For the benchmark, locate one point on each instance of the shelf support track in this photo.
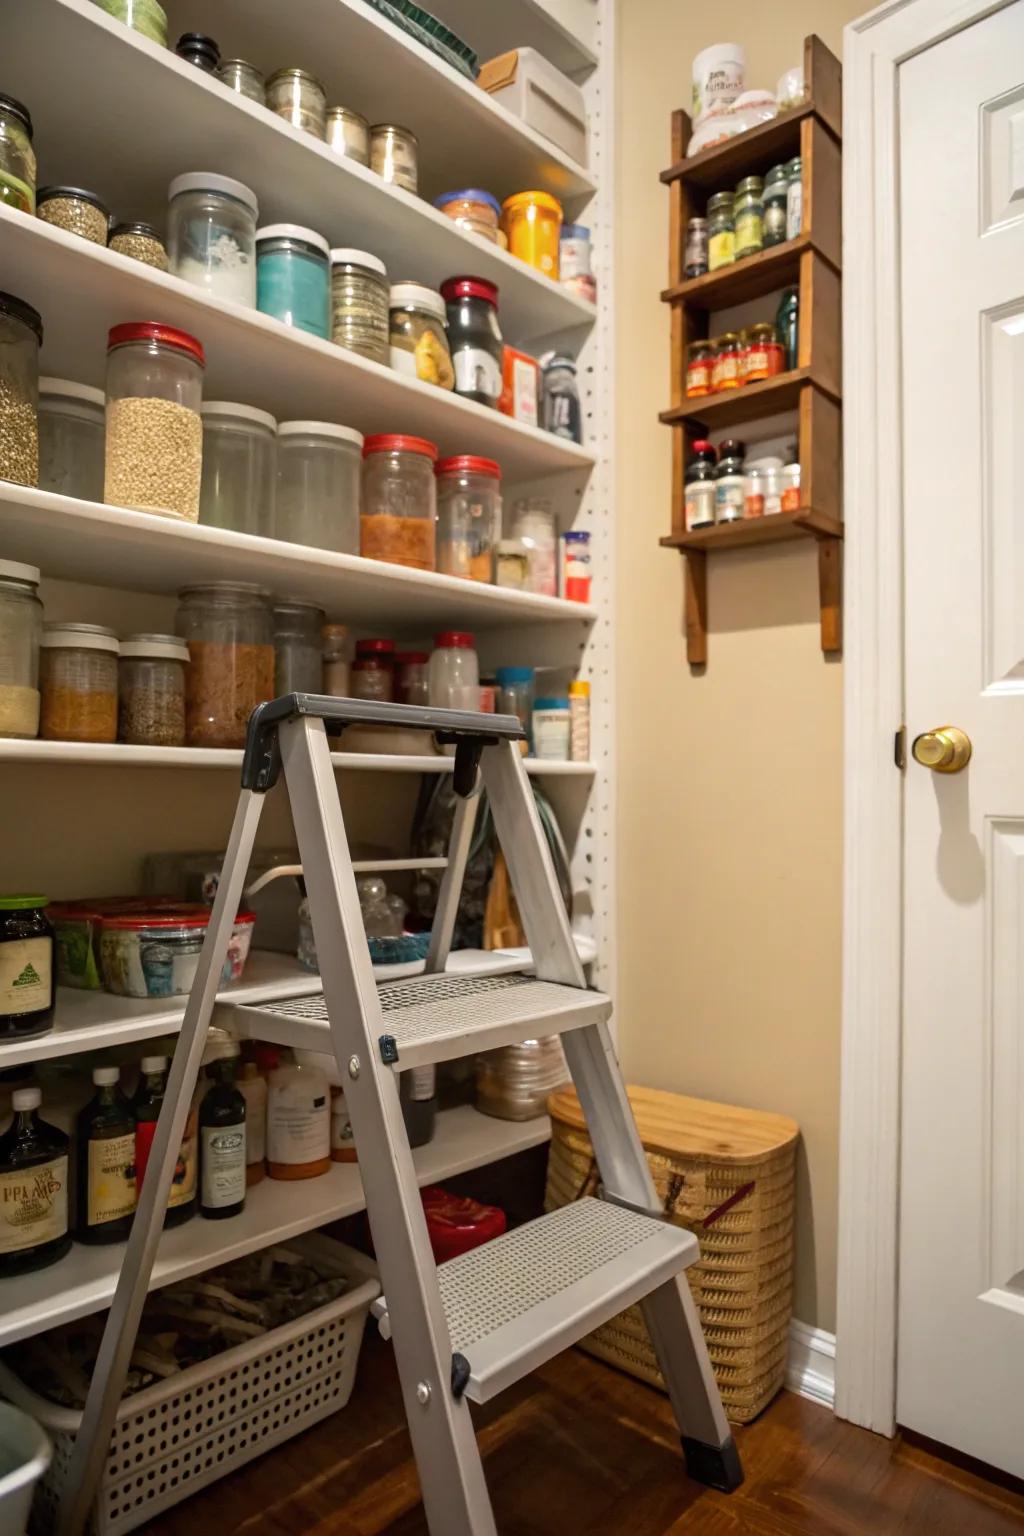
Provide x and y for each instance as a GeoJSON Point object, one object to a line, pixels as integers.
{"type": "Point", "coordinates": [435, 1359]}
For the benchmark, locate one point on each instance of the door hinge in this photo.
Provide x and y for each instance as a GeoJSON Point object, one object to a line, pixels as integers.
{"type": "Point", "coordinates": [900, 748]}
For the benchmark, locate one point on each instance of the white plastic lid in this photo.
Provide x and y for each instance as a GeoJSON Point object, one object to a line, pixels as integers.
{"type": "Point", "coordinates": [219, 1045]}
{"type": "Point", "coordinates": [15, 571]}
{"type": "Point", "coordinates": [293, 232]}
{"type": "Point", "coordinates": [209, 181]}
{"type": "Point", "coordinates": [68, 389]}
{"type": "Point", "coordinates": [106, 1077]}
{"type": "Point", "coordinates": [79, 637]}
{"type": "Point", "coordinates": [26, 1098]}
{"type": "Point", "coordinates": [417, 296]}
{"type": "Point", "coordinates": [320, 429]}
{"type": "Point", "coordinates": [153, 1063]}
{"type": "Point", "coordinates": [358, 259]}
{"type": "Point", "coordinates": [158, 647]}
{"type": "Point", "coordinates": [231, 408]}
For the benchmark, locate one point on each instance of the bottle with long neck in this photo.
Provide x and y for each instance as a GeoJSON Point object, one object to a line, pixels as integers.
{"type": "Point", "coordinates": [33, 1189]}
{"type": "Point", "coordinates": [221, 1132]}
{"type": "Point", "coordinates": [105, 1137]}
{"type": "Point", "coordinates": [147, 1103]}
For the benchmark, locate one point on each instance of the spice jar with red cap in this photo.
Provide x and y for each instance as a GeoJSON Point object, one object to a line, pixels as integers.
{"type": "Point", "coordinates": [398, 505]}
{"type": "Point", "coordinates": [411, 677]}
{"type": "Point", "coordinates": [468, 516]}
{"type": "Point", "coordinates": [454, 676]}
{"type": "Point", "coordinates": [372, 675]}
{"type": "Point", "coordinates": [474, 336]}
{"type": "Point", "coordinates": [153, 456]}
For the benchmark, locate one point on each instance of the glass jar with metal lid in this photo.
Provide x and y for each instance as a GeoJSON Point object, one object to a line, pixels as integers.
{"type": "Point", "coordinates": [725, 369]}
{"type": "Point", "coordinates": [293, 277]}
{"type": "Point", "coordinates": [472, 209]}
{"type": "Point", "coordinates": [474, 337]}
{"type": "Point", "coordinates": [748, 217]}
{"type": "Point", "coordinates": [199, 50]}
{"type": "Point", "coordinates": [78, 678]}
{"type": "Point", "coordinates": [398, 511]}
{"type": "Point", "coordinates": [300, 99]}
{"type": "Point", "coordinates": [419, 334]}
{"type": "Point", "coordinates": [211, 235]}
{"type": "Point", "coordinates": [17, 157]}
{"type": "Point", "coordinates": [141, 242]}
{"type": "Point", "coordinates": [76, 211]}
{"type": "Point", "coordinates": [359, 304]}
{"type": "Point", "coordinates": [776, 189]}
{"type": "Point", "coordinates": [318, 485]}
{"type": "Point", "coordinates": [721, 231]}
{"type": "Point", "coordinates": [243, 78]}
{"type": "Point", "coordinates": [239, 468]}
{"type": "Point", "coordinates": [348, 134]}
{"type": "Point", "coordinates": [147, 17]}
{"type": "Point", "coordinates": [229, 628]}
{"type": "Point", "coordinates": [71, 438]}
{"type": "Point", "coordinates": [700, 362]}
{"type": "Point", "coordinates": [151, 691]}
{"type": "Point", "coordinates": [21, 335]}
{"type": "Point", "coordinates": [765, 354]}
{"type": "Point", "coordinates": [298, 647]}
{"type": "Point", "coordinates": [154, 432]}
{"type": "Point", "coordinates": [394, 155]}
{"type": "Point", "coordinates": [21, 627]}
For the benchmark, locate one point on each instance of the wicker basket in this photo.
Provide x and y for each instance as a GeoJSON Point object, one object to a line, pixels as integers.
{"type": "Point", "coordinates": [727, 1175]}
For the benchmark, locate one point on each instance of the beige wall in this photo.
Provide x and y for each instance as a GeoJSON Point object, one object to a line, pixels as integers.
{"type": "Point", "coordinates": [730, 783]}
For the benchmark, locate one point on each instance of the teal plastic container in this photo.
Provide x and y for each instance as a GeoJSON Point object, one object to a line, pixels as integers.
{"type": "Point", "coordinates": [293, 277]}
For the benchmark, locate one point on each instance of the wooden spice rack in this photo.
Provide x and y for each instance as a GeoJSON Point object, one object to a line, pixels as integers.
{"type": "Point", "coordinates": [812, 261]}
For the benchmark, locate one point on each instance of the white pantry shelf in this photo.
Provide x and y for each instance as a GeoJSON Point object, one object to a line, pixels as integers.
{"type": "Point", "coordinates": [84, 1281]}
{"type": "Point", "coordinates": [540, 24]}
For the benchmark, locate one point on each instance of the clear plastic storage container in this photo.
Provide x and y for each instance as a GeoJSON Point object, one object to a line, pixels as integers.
{"type": "Point", "coordinates": [293, 277]}
{"type": "Point", "coordinates": [229, 628]}
{"type": "Point", "coordinates": [399, 501]}
{"type": "Point", "coordinates": [239, 468]}
{"type": "Point", "coordinates": [154, 431]}
{"type": "Point", "coordinates": [454, 671]}
{"type": "Point", "coordinates": [468, 516]}
{"type": "Point", "coordinates": [211, 235]}
{"type": "Point", "coordinates": [515, 693]}
{"type": "Point", "coordinates": [300, 99]}
{"type": "Point", "coordinates": [419, 335]}
{"type": "Point", "coordinates": [151, 691]}
{"type": "Point", "coordinates": [473, 210]}
{"type": "Point", "coordinates": [21, 626]}
{"type": "Point", "coordinates": [71, 438]}
{"type": "Point", "coordinates": [318, 485]}
{"type": "Point", "coordinates": [359, 304]}
{"type": "Point", "coordinates": [78, 676]}
{"type": "Point", "coordinates": [298, 647]}
{"type": "Point", "coordinates": [534, 524]}
{"type": "Point", "coordinates": [373, 671]}
{"type": "Point", "coordinates": [21, 335]}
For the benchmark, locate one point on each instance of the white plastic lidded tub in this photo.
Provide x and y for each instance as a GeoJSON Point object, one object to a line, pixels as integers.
{"type": "Point", "coordinates": [25, 1453]}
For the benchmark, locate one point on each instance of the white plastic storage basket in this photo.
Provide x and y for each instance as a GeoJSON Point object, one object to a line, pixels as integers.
{"type": "Point", "coordinates": [179, 1435]}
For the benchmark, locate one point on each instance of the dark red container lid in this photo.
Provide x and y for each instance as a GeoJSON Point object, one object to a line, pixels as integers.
{"type": "Point", "coordinates": [374, 647]}
{"type": "Point", "coordinates": [468, 464]}
{"type": "Point", "coordinates": [456, 1224]}
{"type": "Point", "coordinates": [701, 445]}
{"type": "Point", "coordinates": [391, 442]}
{"type": "Point", "coordinates": [469, 288]}
{"type": "Point", "coordinates": [454, 640]}
{"type": "Point", "coordinates": [165, 335]}
{"type": "Point", "coordinates": [411, 658]}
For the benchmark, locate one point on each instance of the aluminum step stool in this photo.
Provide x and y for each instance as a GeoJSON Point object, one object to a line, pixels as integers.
{"type": "Point", "coordinates": [467, 1329]}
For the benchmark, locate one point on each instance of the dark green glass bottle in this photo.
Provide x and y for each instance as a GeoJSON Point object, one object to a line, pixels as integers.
{"type": "Point", "coordinates": [221, 1133]}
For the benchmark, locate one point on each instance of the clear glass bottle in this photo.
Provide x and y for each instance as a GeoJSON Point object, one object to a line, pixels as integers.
{"type": "Point", "coordinates": [348, 134]}
{"type": "Point", "coordinates": [72, 430]}
{"type": "Point", "coordinates": [300, 99]}
{"type": "Point", "coordinates": [534, 523]}
{"type": "Point", "coordinates": [21, 628]}
{"type": "Point", "coordinates": [730, 482]}
{"type": "Point", "coordinates": [34, 1173]}
{"type": "Point", "coordinates": [222, 1157]}
{"type": "Point", "coordinates": [561, 411]}
{"type": "Point", "coordinates": [696, 254]}
{"type": "Point", "coordinates": [298, 647]}
{"type": "Point", "coordinates": [78, 677]}
{"type": "Point", "coordinates": [244, 78]}
{"type": "Point", "coordinates": [318, 485]}
{"type": "Point", "coordinates": [721, 231]}
{"type": "Point", "coordinates": [454, 675]}
{"type": "Point", "coordinates": [229, 628]}
{"type": "Point", "coordinates": [151, 691]}
{"type": "Point", "coordinates": [398, 510]}
{"type": "Point", "coordinates": [239, 468]}
{"type": "Point", "coordinates": [21, 335]}
{"type": "Point", "coordinates": [394, 155]}
{"type": "Point", "coordinates": [211, 235]}
{"type": "Point", "coordinates": [293, 277]}
{"type": "Point", "coordinates": [468, 516]}
{"type": "Point", "coordinates": [154, 431]}
{"type": "Point", "coordinates": [359, 304]}
{"type": "Point", "coordinates": [794, 198]}
{"type": "Point", "coordinates": [105, 1137]}
{"type": "Point", "coordinates": [17, 157]}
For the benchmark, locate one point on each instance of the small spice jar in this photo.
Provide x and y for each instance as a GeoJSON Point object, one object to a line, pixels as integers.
{"type": "Point", "coordinates": [78, 682]}
{"type": "Point", "coordinates": [512, 565]}
{"type": "Point", "coordinates": [399, 501]}
{"type": "Point", "coordinates": [71, 438]}
{"type": "Point", "coordinates": [293, 277]}
{"type": "Point", "coordinates": [21, 336]}
{"type": "Point", "coordinates": [151, 691]}
{"type": "Point", "coordinates": [348, 134]}
{"type": "Point", "coordinates": [298, 647]}
{"type": "Point", "coordinates": [394, 155]}
{"type": "Point", "coordinates": [790, 488]}
{"type": "Point", "coordinates": [154, 431]}
{"type": "Point", "coordinates": [243, 78]}
{"type": "Point", "coordinates": [146, 17]}
{"type": "Point", "coordinates": [700, 357]}
{"type": "Point", "coordinates": [699, 486]}
{"type": "Point", "coordinates": [211, 235]}
{"type": "Point", "coordinates": [229, 629]}
{"type": "Point", "coordinates": [532, 222]}
{"type": "Point", "coordinates": [776, 191]}
{"type": "Point", "coordinates": [721, 231]}
{"type": "Point", "coordinates": [748, 216]}
{"type": "Point", "coordinates": [359, 304]}
{"type": "Point", "coordinates": [412, 679]}
{"type": "Point", "coordinates": [198, 49]}
{"type": "Point", "coordinates": [373, 671]}
{"type": "Point", "coordinates": [474, 337]}
{"type": "Point", "coordinates": [141, 242]}
{"type": "Point", "coordinates": [468, 516]}
{"type": "Point", "coordinates": [74, 210]}
{"type": "Point", "coordinates": [575, 578]}
{"type": "Point", "coordinates": [550, 729]}
{"type": "Point", "coordinates": [418, 322]}
{"type": "Point", "coordinates": [794, 198]}
{"type": "Point", "coordinates": [765, 356]}
{"type": "Point", "coordinates": [17, 157]}
{"type": "Point", "coordinates": [27, 967]}
{"type": "Point", "coordinates": [695, 260]}
{"type": "Point", "coordinates": [300, 99]}
{"type": "Point", "coordinates": [239, 468]}
{"type": "Point", "coordinates": [473, 210]}
{"type": "Point", "coordinates": [730, 482]}
{"type": "Point", "coordinates": [318, 485]}
{"type": "Point", "coordinates": [725, 369]}
{"type": "Point", "coordinates": [21, 627]}
{"type": "Point", "coordinates": [334, 641]}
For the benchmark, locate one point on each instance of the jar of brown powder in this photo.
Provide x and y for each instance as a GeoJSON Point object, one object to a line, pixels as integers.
{"type": "Point", "coordinates": [229, 627]}
{"type": "Point", "coordinates": [398, 509]}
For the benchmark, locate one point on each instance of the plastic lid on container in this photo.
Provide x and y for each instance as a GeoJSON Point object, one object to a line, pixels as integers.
{"type": "Point", "coordinates": [559, 360]}
{"type": "Point", "coordinates": [78, 637]}
{"type": "Point", "coordinates": [13, 570]}
{"type": "Point", "coordinates": [19, 310]}
{"type": "Point", "coordinates": [163, 335]}
{"type": "Point", "coordinates": [12, 105]}
{"type": "Point", "coordinates": [70, 389]}
{"type": "Point", "coordinates": [232, 410]}
{"type": "Point", "coordinates": [391, 442]}
{"type": "Point", "coordinates": [348, 256]}
{"type": "Point", "coordinates": [572, 537]}
{"type": "Point", "coordinates": [580, 689]}
{"type": "Point", "coordinates": [22, 903]}
{"type": "Point", "coordinates": [468, 195]}
{"type": "Point", "coordinates": [320, 429]}
{"type": "Point", "coordinates": [454, 640]}
{"type": "Point", "coordinates": [212, 181]}
{"type": "Point", "coordinates": [468, 464]}
{"type": "Point", "coordinates": [417, 296]}
{"type": "Point", "coordinates": [294, 232]}
{"type": "Point", "coordinates": [81, 194]}
{"type": "Point", "coordinates": [220, 1046]}
{"type": "Point", "coordinates": [702, 445]}
{"type": "Point", "coordinates": [532, 199]}
{"type": "Point", "coordinates": [160, 918]}
{"type": "Point", "coordinates": [26, 1098]}
{"type": "Point", "coordinates": [507, 675]}
{"type": "Point", "coordinates": [575, 232]}
{"type": "Point", "coordinates": [550, 704]}
{"type": "Point", "coordinates": [152, 1063]}
{"type": "Point", "coordinates": [157, 647]}
{"type": "Point", "coordinates": [106, 1077]}
{"type": "Point", "coordinates": [470, 288]}
{"type": "Point", "coordinates": [375, 647]}
{"type": "Point", "coordinates": [319, 1061]}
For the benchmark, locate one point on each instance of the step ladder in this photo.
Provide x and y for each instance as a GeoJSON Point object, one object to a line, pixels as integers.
{"type": "Point", "coordinates": [467, 1329]}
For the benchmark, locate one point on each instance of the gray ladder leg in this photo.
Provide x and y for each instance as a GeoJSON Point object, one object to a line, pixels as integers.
{"type": "Point", "coordinates": [451, 884]}
{"type": "Point", "coordinates": [455, 1494]}
{"type": "Point", "coordinates": [111, 1370]}
{"type": "Point", "coordinates": [669, 1312]}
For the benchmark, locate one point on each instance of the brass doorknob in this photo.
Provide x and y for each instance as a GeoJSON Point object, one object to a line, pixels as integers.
{"type": "Point", "coordinates": [947, 749]}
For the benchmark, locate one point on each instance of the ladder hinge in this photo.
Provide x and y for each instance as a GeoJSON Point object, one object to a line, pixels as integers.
{"type": "Point", "coordinates": [460, 1375]}
{"type": "Point", "coordinates": [388, 1050]}
{"type": "Point", "coordinates": [655, 1212]}
{"type": "Point", "coordinates": [900, 748]}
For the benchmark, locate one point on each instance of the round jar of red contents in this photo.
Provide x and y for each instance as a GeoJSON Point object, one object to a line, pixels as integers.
{"type": "Point", "coordinates": [399, 501]}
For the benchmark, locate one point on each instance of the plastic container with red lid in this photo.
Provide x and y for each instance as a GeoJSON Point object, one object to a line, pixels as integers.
{"type": "Point", "coordinates": [399, 501]}
{"type": "Point", "coordinates": [454, 673]}
{"type": "Point", "coordinates": [372, 674]}
{"type": "Point", "coordinates": [153, 452]}
{"type": "Point", "coordinates": [398, 442]}
{"type": "Point", "coordinates": [412, 683]}
{"type": "Point", "coordinates": [152, 332]}
{"type": "Point", "coordinates": [155, 953]}
{"type": "Point", "coordinates": [457, 1224]}
{"type": "Point", "coordinates": [468, 516]}
{"type": "Point", "coordinates": [474, 336]}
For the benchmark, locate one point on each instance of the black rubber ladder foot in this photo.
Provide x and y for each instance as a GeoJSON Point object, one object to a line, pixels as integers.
{"type": "Point", "coordinates": [716, 1466]}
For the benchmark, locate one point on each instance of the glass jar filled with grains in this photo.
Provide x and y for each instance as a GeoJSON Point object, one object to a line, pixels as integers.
{"type": "Point", "coordinates": [373, 671]}
{"type": "Point", "coordinates": [244, 78]}
{"type": "Point", "coordinates": [419, 335]}
{"type": "Point", "coordinates": [293, 277]}
{"type": "Point", "coordinates": [211, 235]}
{"type": "Point", "coordinates": [78, 682]}
{"type": "Point", "coordinates": [17, 157]}
{"type": "Point", "coordinates": [398, 510]}
{"type": "Point", "coordinates": [229, 628]}
{"type": "Point", "coordinates": [300, 99]}
{"type": "Point", "coordinates": [348, 134]}
{"type": "Point", "coordinates": [334, 638]}
{"type": "Point", "coordinates": [154, 442]}
{"type": "Point", "coordinates": [71, 434]}
{"type": "Point", "coordinates": [359, 304]}
{"type": "Point", "coordinates": [239, 468]}
{"type": "Point", "coordinates": [394, 155]}
{"type": "Point", "coordinates": [468, 516]}
{"type": "Point", "coordinates": [141, 242]}
{"type": "Point", "coordinates": [776, 190]}
{"type": "Point", "coordinates": [21, 335]}
{"type": "Point", "coordinates": [21, 627]}
{"type": "Point", "coordinates": [318, 485]}
{"type": "Point", "coordinates": [721, 231]}
{"type": "Point", "coordinates": [725, 370]}
{"type": "Point", "coordinates": [748, 216]}
{"type": "Point", "coordinates": [147, 17]}
{"type": "Point", "coordinates": [151, 691]}
{"type": "Point", "coordinates": [298, 647]}
{"type": "Point", "coordinates": [76, 211]}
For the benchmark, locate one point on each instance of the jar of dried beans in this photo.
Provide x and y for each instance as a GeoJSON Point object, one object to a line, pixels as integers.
{"type": "Point", "coordinates": [21, 335]}
{"type": "Point", "coordinates": [21, 625]}
{"type": "Point", "coordinates": [141, 242]}
{"type": "Point", "coordinates": [78, 676]}
{"type": "Point", "coordinates": [229, 627]}
{"type": "Point", "coordinates": [151, 691]}
{"type": "Point", "coordinates": [154, 436]}
{"type": "Point", "coordinates": [318, 474]}
{"type": "Point", "coordinates": [468, 516]}
{"type": "Point", "coordinates": [399, 503]}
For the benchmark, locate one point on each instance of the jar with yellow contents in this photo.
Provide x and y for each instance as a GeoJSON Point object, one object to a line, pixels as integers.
{"type": "Point", "coordinates": [721, 231]}
{"type": "Point", "coordinates": [419, 335]}
{"type": "Point", "coordinates": [532, 222]}
{"type": "Point", "coordinates": [725, 370]}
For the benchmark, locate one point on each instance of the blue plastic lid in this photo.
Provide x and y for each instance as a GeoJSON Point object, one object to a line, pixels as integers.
{"type": "Point", "coordinates": [506, 675]}
{"type": "Point", "coordinates": [574, 232]}
{"type": "Point", "coordinates": [576, 538]}
{"type": "Point", "coordinates": [468, 195]}
{"type": "Point", "coordinates": [550, 704]}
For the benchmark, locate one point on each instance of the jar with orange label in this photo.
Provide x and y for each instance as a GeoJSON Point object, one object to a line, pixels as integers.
{"type": "Point", "coordinates": [532, 222]}
{"type": "Point", "coordinates": [725, 371]}
{"type": "Point", "coordinates": [765, 355]}
{"type": "Point", "coordinates": [699, 363]}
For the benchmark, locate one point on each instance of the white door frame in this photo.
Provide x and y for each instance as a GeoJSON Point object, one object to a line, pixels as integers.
{"type": "Point", "coordinates": [873, 49]}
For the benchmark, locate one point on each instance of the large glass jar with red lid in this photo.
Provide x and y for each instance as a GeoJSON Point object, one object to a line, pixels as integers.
{"type": "Point", "coordinates": [454, 675]}
{"type": "Point", "coordinates": [153, 456]}
{"type": "Point", "coordinates": [474, 337]}
{"type": "Point", "coordinates": [468, 516]}
{"type": "Point", "coordinates": [398, 506]}
{"type": "Point", "coordinates": [412, 678]}
{"type": "Point", "coordinates": [372, 675]}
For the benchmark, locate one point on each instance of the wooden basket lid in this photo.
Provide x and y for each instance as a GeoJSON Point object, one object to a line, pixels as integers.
{"type": "Point", "coordinates": [679, 1126]}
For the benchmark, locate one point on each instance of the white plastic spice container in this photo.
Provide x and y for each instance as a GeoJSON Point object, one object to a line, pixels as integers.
{"type": "Point", "coordinates": [154, 432]}
{"type": "Point", "coordinates": [318, 480]}
{"type": "Point", "coordinates": [239, 468]}
{"type": "Point", "coordinates": [71, 436]}
{"type": "Point", "coordinates": [211, 235]}
{"type": "Point", "coordinates": [298, 1121]}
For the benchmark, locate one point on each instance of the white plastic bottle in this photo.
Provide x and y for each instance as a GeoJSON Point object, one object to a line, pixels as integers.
{"type": "Point", "coordinates": [298, 1122]}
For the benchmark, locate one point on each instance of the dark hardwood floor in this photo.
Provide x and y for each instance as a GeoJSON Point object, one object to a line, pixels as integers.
{"type": "Point", "coordinates": [580, 1450]}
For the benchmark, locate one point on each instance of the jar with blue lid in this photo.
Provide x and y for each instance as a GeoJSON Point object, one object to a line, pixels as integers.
{"type": "Point", "coordinates": [515, 693]}
{"type": "Point", "coordinates": [472, 209]}
{"type": "Point", "coordinates": [293, 277]}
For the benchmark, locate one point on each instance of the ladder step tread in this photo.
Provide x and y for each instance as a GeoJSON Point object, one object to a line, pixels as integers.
{"type": "Point", "coordinates": [517, 1301]}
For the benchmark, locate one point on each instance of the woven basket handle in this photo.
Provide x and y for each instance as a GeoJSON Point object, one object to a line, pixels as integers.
{"type": "Point", "coordinates": [676, 1183]}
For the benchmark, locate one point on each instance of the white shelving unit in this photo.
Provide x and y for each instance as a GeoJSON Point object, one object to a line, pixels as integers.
{"type": "Point", "coordinates": [116, 113]}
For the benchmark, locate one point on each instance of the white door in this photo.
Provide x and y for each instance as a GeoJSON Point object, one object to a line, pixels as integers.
{"type": "Point", "coordinates": [960, 1376]}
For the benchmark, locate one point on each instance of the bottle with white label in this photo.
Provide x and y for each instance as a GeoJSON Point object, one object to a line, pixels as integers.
{"type": "Point", "coordinates": [221, 1132]}
{"type": "Point", "coordinates": [26, 967]}
{"type": "Point", "coordinates": [147, 1103]}
{"type": "Point", "coordinates": [475, 338]}
{"type": "Point", "coordinates": [343, 1143]}
{"type": "Point", "coordinates": [105, 1181]}
{"type": "Point", "coordinates": [33, 1189]}
{"type": "Point", "coordinates": [298, 1121]}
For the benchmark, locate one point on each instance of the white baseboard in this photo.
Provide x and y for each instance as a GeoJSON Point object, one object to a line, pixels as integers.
{"type": "Point", "coordinates": [812, 1363]}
